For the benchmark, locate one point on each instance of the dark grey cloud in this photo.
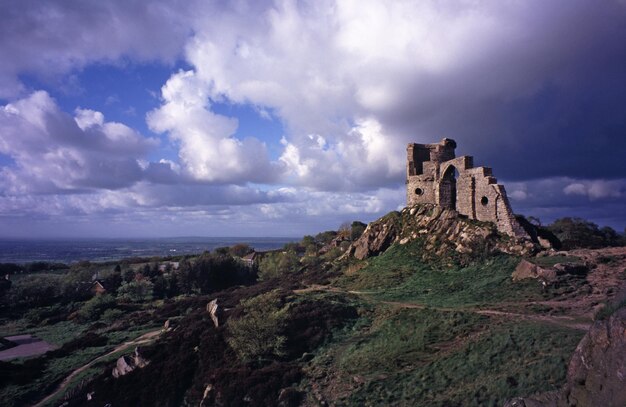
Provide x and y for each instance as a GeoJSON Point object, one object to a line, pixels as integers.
{"type": "Point", "coordinates": [547, 102]}
{"type": "Point", "coordinates": [601, 201]}
{"type": "Point", "coordinates": [534, 89]}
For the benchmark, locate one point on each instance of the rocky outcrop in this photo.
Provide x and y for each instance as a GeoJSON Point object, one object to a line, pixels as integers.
{"type": "Point", "coordinates": [214, 311]}
{"type": "Point", "coordinates": [340, 242]}
{"type": "Point", "coordinates": [442, 232]}
{"type": "Point", "coordinates": [525, 269]}
{"type": "Point", "coordinates": [208, 397]}
{"type": "Point", "coordinates": [376, 238]}
{"type": "Point", "coordinates": [596, 375]}
{"type": "Point", "coordinates": [127, 364]}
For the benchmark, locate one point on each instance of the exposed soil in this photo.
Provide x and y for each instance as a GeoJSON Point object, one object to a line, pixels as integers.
{"type": "Point", "coordinates": [27, 345]}
{"type": "Point", "coordinates": [143, 339]}
{"type": "Point", "coordinates": [605, 281]}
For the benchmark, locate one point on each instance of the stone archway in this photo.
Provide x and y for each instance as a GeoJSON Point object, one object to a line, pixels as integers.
{"type": "Point", "coordinates": [447, 188]}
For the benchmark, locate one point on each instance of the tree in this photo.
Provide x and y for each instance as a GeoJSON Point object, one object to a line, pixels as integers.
{"type": "Point", "coordinates": [258, 333]}
{"type": "Point", "coordinates": [309, 244]}
{"type": "Point", "coordinates": [211, 272]}
{"type": "Point", "coordinates": [275, 265]}
{"type": "Point", "coordinates": [160, 287]}
{"type": "Point", "coordinates": [185, 281]}
{"type": "Point", "coordinates": [344, 231]}
{"type": "Point", "coordinates": [356, 230]}
{"type": "Point", "coordinates": [35, 290]}
{"type": "Point", "coordinates": [325, 237]}
{"type": "Point", "coordinates": [5, 286]}
{"type": "Point", "coordinates": [95, 307]}
{"type": "Point", "coordinates": [580, 233]}
{"type": "Point", "coordinates": [129, 275]}
{"type": "Point", "coordinates": [240, 250]}
{"type": "Point", "coordinates": [136, 291]}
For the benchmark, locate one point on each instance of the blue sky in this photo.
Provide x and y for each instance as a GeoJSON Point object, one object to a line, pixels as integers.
{"type": "Point", "coordinates": [150, 119]}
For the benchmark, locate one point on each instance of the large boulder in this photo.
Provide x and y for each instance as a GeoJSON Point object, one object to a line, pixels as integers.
{"type": "Point", "coordinates": [215, 312]}
{"type": "Point", "coordinates": [526, 269]}
{"type": "Point", "coordinates": [127, 364]}
{"type": "Point", "coordinates": [376, 238]}
{"type": "Point", "coordinates": [596, 375]}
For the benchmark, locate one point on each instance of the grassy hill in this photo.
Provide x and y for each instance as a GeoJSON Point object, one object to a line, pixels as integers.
{"type": "Point", "coordinates": [321, 327]}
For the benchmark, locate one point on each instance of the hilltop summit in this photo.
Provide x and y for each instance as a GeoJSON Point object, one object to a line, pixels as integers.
{"type": "Point", "coordinates": [443, 232]}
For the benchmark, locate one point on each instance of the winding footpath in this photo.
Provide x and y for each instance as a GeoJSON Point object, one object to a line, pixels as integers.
{"type": "Point", "coordinates": [563, 321]}
{"type": "Point", "coordinates": [143, 339]}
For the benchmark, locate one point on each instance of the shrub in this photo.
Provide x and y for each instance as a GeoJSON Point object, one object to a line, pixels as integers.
{"type": "Point", "coordinates": [136, 291]}
{"type": "Point", "coordinates": [240, 249]}
{"type": "Point", "coordinates": [211, 272]}
{"type": "Point", "coordinates": [93, 308]}
{"type": "Point", "coordinates": [258, 333]}
{"type": "Point", "coordinates": [34, 290]}
{"type": "Point", "coordinates": [277, 264]}
{"type": "Point", "coordinates": [37, 315]}
{"type": "Point", "coordinates": [579, 233]}
{"type": "Point", "coordinates": [356, 230]}
{"type": "Point", "coordinates": [111, 315]}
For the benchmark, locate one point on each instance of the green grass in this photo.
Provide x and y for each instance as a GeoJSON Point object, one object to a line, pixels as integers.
{"type": "Point", "coordinates": [399, 275]}
{"type": "Point", "coordinates": [57, 334]}
{"type": "Point", "coordinates": [89, 373]}
{"type": "Point", "coordinates": [55, 371]}
{"type": "Point", "coordinates": [511, 360]}
{"type": "Point", "coordinates": [399, 338]}
{"type": "Point", "coordinates": [58, 368]}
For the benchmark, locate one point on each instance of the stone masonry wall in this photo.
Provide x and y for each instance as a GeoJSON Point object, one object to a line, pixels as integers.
{"type": "Point", "coordinates": [436, 176]}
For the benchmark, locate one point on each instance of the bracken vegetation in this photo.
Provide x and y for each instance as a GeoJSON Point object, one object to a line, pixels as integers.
{"type": "Point", "coordinates": [304, 325]}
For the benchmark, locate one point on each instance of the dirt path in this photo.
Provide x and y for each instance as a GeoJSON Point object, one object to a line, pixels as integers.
{"type": "Point", "coordinates": [145, 338]}
{"type": "Point", "coordinates": [563, 321]}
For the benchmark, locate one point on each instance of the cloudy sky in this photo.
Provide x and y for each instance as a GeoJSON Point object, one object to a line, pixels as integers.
{"type": "Point", "coordinates": [249, 118]}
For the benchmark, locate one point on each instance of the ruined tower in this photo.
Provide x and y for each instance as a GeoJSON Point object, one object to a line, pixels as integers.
{"type": "Point", "coordinates": [436, 176]}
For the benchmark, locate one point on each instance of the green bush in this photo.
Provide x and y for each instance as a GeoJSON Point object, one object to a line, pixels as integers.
{"type": "Point", "coordinates": [579, 233]}
{"type": "Point", "coordinates": [34, 290]}
{"type": "Point", "coordinates": [93, 308]}
{"type": "Point", "coordinates": [356, 230]}
{"type": "Point", "coordinates": [136, 291]}
{"type": "Point", "coordinates": [258, 333]}
{"type": "Point", "coordinates": [112, 315]}
{"type": "Point", "coordinates": [277, 264]}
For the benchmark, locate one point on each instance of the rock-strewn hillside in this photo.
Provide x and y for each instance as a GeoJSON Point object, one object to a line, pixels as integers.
{"type": "Point", "coordinates": [596, 375]}
{"type": "Point", "coordinates": [443, 232]}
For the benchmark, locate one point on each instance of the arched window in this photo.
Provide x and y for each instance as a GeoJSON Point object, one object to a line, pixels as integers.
{"type": "Point", "coordinates": [447, 188]}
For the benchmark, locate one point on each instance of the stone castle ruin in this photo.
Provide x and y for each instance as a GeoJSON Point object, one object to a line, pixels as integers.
{"type": "Point", "coordinates": [436, 176]}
